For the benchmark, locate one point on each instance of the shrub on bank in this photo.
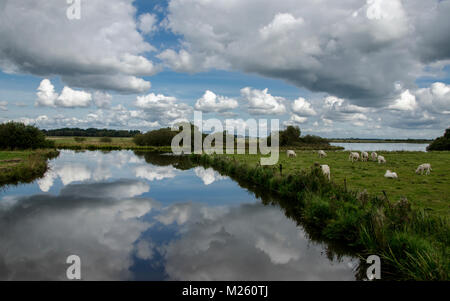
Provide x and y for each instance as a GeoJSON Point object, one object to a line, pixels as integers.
{"type": "Point", "coordinates": [161, 137]}
{"type": "Point", "coordinates": [16, 135]}
{"type": "Point", "coordinates": [441, 143]}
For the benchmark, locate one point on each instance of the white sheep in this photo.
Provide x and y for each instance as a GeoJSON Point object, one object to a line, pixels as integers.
{"type": "Point", "coordinates": [391, 175]}
{"type": "Point", "coordinates": [381, 159]}
{"type": "Point", "coordinates": [424, 167]}
{"type": "Point", "coordinates": [322, 154]}
{"type": "Point", "coordinates": [364, 156]}
{"type": "Point", "coordinates": [291, 154]}
{"type": "Point", "coordinates": [353, 156]}
{"type": "Point", "coordinates": [374, 156]}
{"type": "Point", "coordinates": [326, 171]}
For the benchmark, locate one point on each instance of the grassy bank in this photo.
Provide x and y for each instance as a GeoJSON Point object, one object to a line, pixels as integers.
{"type": "Point", "coordinates": [431, 192]}
{"type": "Point", "coordinates": [413, 244]}
{"type": "Point", "coordinates": [99, 143]}
{"type": "Point", "coordinates": [23, 166]}
{"type": "Point", "coordinates": [413, 141]}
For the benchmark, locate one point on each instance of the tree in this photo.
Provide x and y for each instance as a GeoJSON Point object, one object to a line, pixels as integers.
{"type": "Point", "coordinates": [441, 143]}
{"type": "Point", "coordinates": [161, 137]}
{"type": "Point", "coordinates": [290, 136]}
{"type": "Point", "coordinates": [15, 135]}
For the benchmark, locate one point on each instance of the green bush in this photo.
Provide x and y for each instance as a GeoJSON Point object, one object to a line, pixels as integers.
{"type": "Point", "coordinates": [291, 136]}
{"type": "Point", "coordinates": [105, 140]}
{"type": "Point", "coordinates": [15, 135]}
{"type": "Point", "coordinates": [79, 139]}
{"type": "Point", "coordinates": [441, 143]}
{"type": "Point", "coordinates": [161, 137]}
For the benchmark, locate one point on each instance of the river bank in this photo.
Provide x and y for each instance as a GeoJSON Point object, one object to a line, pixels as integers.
{"type": "Point", "coordinates": [24, 166]}
{"type": "Point", "coordinates": [412, 243]}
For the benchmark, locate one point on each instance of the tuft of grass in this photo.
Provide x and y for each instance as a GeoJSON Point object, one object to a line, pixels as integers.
{"type": "Point", "coordinates": [105, 140]}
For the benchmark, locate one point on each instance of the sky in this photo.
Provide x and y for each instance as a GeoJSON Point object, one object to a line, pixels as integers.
{"type": "Point", "coordinates": [351, 68]}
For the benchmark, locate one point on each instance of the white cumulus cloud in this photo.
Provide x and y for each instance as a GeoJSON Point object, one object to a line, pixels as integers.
{"type": "Point", "coordinates": [210, 102]}
{"type": "Point", "coordinates": [303, 108]}
{"type": "Point", "coordinates": [68, 98]}
{"type": "Point", "coordinates": [260, 102]}
{"type": "Point", "coordinates": [406, 102]}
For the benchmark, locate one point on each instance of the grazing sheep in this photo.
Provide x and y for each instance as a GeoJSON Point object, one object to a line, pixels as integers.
{"type": "Point", "coordinates": [381, 159]}
{"type": "Point", "coordinates": [424, 167]}
{"type": "Point", "coordinates": [326, 171]}
{"type": "Point", "coordinates": [391, 175]}
{"type": "Point", "coordinates": [322, 154]}
{"type": "Point", "coordinates": [291, 154]}
{"type": "Point", "coordinates": [374, 156]}
{"type": "Point", "coordinates": [364, 156]}
{"type": "Point", "coordinates": [353, 156]}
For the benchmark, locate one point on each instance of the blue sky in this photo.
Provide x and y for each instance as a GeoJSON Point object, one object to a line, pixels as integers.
{"type": "Point", "coordinates": [355, 69]}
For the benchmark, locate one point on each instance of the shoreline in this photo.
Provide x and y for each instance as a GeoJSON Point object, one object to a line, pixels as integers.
{"type": "Point", "coordinates": [24, 166]}
{"type": "Point", "coordinates": [411, 242]}
{"type": "Point", "coordinates": [380, 141]}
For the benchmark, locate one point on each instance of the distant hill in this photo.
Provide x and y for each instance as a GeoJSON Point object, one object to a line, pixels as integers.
{"type": "Point", "coordinates": [91, 132]}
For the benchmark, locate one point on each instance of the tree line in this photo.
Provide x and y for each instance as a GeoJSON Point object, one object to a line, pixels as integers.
{"type": "Point", "coordinates": [291, 136]}
{"type": "Point", "coordinates": [91, 132]}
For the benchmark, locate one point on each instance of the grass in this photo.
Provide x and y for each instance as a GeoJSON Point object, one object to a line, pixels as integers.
{"type": "Point", "coordinates": [412, 141]}
{"type": "Point", "coordinates": [86, 141]}
{"type": "Point", "coordinates": [101, 143]}
{"type": "Point", "coordinates": [107, 143]}
{"type": "Point", "coordinates": [413, 244]}
{"type": "Point", "coordinates": [430, 192]}
{"type": "Point", "coordinates": [23, 166]}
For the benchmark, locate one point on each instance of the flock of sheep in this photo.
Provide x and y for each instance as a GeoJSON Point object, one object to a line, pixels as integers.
{"type": "Point", "coordinates": [354, 156]}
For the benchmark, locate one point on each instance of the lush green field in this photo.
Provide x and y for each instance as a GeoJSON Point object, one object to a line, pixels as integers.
{"type": "Point", "coordinates": [121, 142]}
{"type": "Point", "coordinates": [96, 143]}
{"type": "Point", "coordinates": [13, 157]}
{"type": "Point", "coordinates": [430, 192]}
{"type": "Point", "coordinates": [23, 166]}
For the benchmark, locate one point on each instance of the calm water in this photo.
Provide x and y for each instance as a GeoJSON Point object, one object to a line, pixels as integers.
{"type": "Point", "coordinates": [136, 217]}
{"type": "Point", "coordinates": [383, 146]}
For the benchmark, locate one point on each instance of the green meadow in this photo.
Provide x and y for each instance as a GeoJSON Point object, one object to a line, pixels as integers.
{"type": "Point", "coordinates": [86, 141]}
{"type": "Point", "coordinates": [102, 143]}
{"type": "Point", "coordinates": [429, 192]}
{"type": "Point", "coordinates": [23, 166]}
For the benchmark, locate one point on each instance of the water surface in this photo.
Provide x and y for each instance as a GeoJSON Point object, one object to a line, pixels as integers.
{"type": "Point", "coordinates": [150, 217]}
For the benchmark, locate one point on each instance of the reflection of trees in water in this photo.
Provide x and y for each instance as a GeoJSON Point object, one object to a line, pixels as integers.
{"type": "Point", "coordinates": [159, 159]}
